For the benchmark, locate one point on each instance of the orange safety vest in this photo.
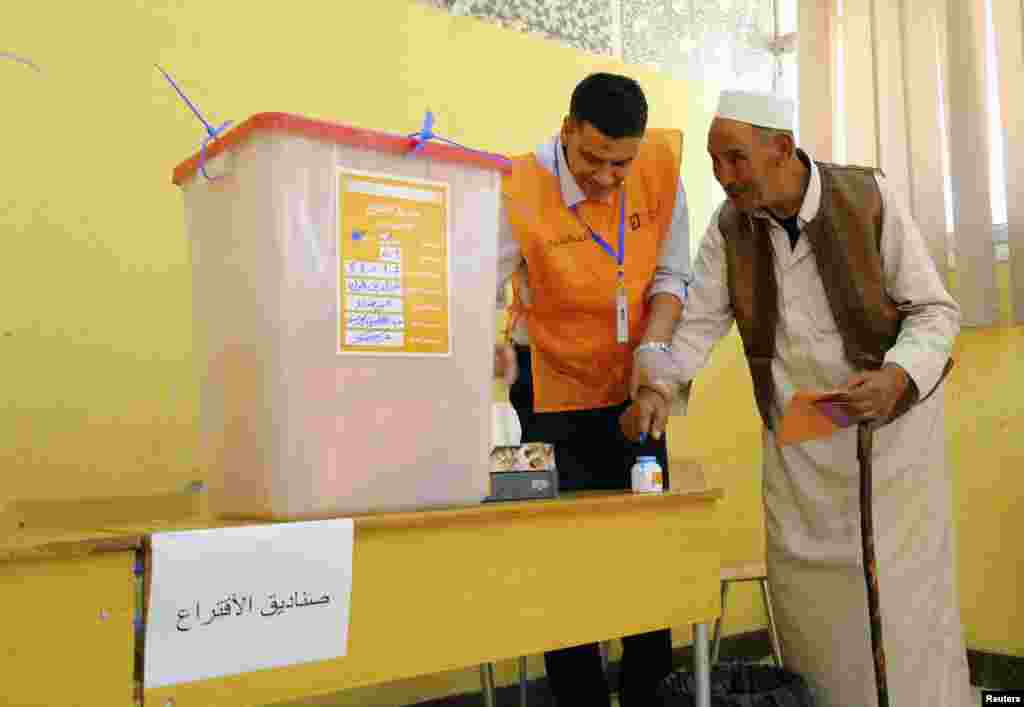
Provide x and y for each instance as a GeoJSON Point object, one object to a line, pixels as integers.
{"type": "Point", "coordinates": [577, 362]}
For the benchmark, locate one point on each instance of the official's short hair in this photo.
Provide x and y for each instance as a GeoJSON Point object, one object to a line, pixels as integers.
{"type": "Point", "coordinates": [613, 104]}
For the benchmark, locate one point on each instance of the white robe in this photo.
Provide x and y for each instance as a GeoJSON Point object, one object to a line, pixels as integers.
{"type": "Point", "coordinates": [811, 490]}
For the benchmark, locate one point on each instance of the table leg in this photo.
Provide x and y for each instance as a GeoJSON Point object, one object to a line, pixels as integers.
{"type": "Point", "coordinates": [487, 683]}
{"type": "Point", "coordinates": [523, 681]}
{"type": "Point", "coordinates": [702, 665]}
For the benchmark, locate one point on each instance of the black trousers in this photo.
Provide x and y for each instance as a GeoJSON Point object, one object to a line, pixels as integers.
{"type": "Point", "coordinates": [591, 453]}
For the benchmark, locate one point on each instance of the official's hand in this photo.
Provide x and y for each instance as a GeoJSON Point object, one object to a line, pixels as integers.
{"type": "Point", "coordinates": [505, 366]}
{"type": "Point", "coordinates": [656, 370]}
{"type": "Point", "coordinates": [646, 415]}
{"type": "Point", "coordinates": [872, 395]}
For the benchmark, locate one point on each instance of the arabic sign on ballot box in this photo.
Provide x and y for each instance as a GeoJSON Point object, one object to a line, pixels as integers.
{"type": "Point", "coordinates": [233, 600]}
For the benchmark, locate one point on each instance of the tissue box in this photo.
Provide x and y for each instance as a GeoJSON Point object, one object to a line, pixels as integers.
{"type": "Point", "coordinates": [523, 472]}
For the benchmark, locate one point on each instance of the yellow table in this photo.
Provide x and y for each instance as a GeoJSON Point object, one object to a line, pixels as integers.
{"type": "Point", "coordinates": [432, 591]}
{"type": "Point", "coordinates": [68, 603]}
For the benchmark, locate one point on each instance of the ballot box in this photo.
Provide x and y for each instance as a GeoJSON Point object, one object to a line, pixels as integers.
{"type": "Point", "coordinates": [344, 312]}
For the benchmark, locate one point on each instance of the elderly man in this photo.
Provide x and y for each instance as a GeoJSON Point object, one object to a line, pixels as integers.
{"type": "Point", "coordinates": [832, 288]}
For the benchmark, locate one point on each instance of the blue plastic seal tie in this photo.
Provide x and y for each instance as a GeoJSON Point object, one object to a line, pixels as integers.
{"type": "Point", "coordinates": [202, 149]}
{"type": "Point", "coordinates": [211, 132]}
{"type": "Point", "coordinates": [426, 133]}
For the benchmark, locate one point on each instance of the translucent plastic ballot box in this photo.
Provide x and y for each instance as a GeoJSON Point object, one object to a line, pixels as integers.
{"type": "Point", "coordinates": [344, 314]}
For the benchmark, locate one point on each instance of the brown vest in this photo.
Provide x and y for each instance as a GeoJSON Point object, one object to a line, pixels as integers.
{"type": "Point", "coordinates": [845, 238]}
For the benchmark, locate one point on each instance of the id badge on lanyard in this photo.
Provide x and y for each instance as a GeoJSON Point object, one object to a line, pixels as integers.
{"type": "Point", "coordinates": [621, 294]}
{"type": "Point", "coordinates": [621, 311]}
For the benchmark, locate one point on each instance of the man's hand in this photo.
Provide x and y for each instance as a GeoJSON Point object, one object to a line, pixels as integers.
{"type": "Point", "coordinates": [505, 366]}
{"type": "Point", "coordinates": [646, 415]}
{"type": "Point", "coordinates": [656, 370]}
{"type": "Point", "coordinates": [873, 395]}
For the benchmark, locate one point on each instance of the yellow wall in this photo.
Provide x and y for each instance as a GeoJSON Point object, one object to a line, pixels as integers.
{"type": "Point", "coordinates": [101, 390]}
{"type": "Point", "coordinates": [985, 447]}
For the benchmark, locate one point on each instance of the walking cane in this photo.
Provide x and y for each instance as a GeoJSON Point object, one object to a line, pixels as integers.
{"type": "Point", "coordinates": [865, 435]}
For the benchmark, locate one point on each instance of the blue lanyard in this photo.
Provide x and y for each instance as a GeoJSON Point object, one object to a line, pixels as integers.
{"type": "Point", "coordinates": [594, 235]}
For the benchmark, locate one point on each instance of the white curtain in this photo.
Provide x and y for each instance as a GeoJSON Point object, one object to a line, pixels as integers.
{"type": "Point", "coordinates": [904, 83]}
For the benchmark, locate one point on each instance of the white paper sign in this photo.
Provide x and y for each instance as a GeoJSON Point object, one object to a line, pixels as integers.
{"type": "Point", "coordinates": [233, 600]}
